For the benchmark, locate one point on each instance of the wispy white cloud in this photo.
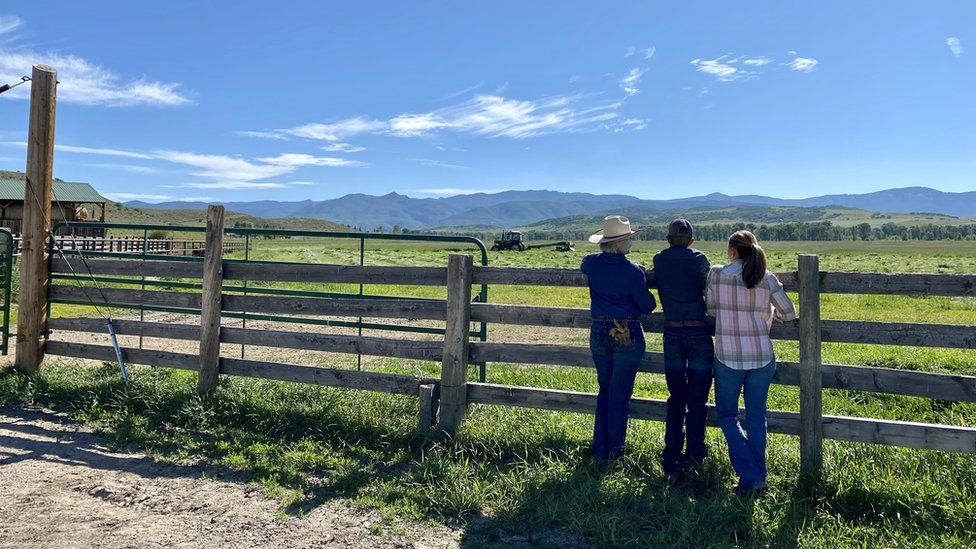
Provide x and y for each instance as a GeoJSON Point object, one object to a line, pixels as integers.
{"type": "Point", "coordinates": [226, 172]}
{"type": "Point", "coordinates": [342, 147]}
{"type": "Point", "coordinates": [723, 69]}
{"type": "Point", "coordinates": [9, 23]}
{"type": "Point", "coordinates": [803, 64]}
{"type": "Point", "coordinates": [336, 131]}
{"type": "Point", "coordinates": [86, 83]}
{"type": "Point", "coordinates": [122, 197]}
{"type": "Point", "coordinates": [301, 182]}
{"type": "Point", "coordinates": [439, 164]}
{"type": "Point", "coordinates": [630, 51]}
{"type": "Point", "coordinates": [629, 82]}
{"type": "Point", "coordinates": [632, 124]}
{"type": "Point", "coordinates": [262, 134]}
{"type": "Point", "coordinates": [124, 167]}
{"type": "Point", "coordinates": [220, 167]}
{"type": "Point", "coordinates": [575, 78]}
{"type": "Point", "coordinates": [231, 185]}
{"type": "Point", "coordinates": [757, 61]}
{"type": "Point", "coordinates": [484, 114]}
{"type": "Point", "coordinates": [649, 52]}
{"type": "Point", "coordinates": [409, 125]}
{"type": "Point", "coordinates": [294, 160]}
{"type": "Point", "coordinates": [955, 46]}
{"type": "Point", "coordinates": [84, 150]}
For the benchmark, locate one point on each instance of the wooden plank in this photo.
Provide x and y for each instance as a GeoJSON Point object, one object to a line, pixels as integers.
{"type": "Point", "coordinates": [127, 327]}
{"type": "Point", "coordinates": [872, 431]}
{"type": "Point", "coordinates": [129, 267]}
{"type": "Point", "coordinates": [376, 346]}
{"type": "Point", "coordinates": [210, 303]}
{"type": "Point", "coordinates": [953, 387]}
{"type": "Point", "coordinates": [551, 354]}
{"type": "Point", "coordinates": [958, 388]}
{"type": "Point", "coordinates": [901, 433]}
{"type": "Point", "coordinates": [351, 307]}
{"type": "Point", "coordinates": [356, 274]}
{"type": "Point", "coordinates": [124, 296]}
{"type": "Point", "coordinates": [34, 276]}
{"type": "Point", "coordinates": [522, 276]}
{"type": "Point", "coordinates": [811, 391]}
{"type": "Point", "coordinates": [454, 365]}
{"type": "Point", "coordinates": [585, 403]}
{"type": "Point", "coordinates": [106, 353]}
{"type": "Point", "coordinates": [347, 379]}
{"type": "Point", "coordinates": [899, 333]}
{"type": "Point", "coordinates": [898, 283]}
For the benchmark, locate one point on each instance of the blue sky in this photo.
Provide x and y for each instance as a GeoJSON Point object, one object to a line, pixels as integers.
{"type": "Point", "coordinates": [290, 100]}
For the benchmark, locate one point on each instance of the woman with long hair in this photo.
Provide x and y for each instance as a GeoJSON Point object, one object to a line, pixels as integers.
{"type": "Point", "coordinates": [618, 298]}
{"type": "Point", "coordinates": [745, 298]}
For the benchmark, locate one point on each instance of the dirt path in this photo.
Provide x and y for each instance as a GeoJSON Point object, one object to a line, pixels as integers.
{"type": "Point", "coordinates": [61, 487]}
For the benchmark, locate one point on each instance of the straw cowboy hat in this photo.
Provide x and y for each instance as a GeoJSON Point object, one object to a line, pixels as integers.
{"type": "Point", "coordinates": [615, 227]}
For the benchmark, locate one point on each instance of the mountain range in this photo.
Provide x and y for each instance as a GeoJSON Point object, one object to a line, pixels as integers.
{"type": "Point", "coordinates": [519, 208]}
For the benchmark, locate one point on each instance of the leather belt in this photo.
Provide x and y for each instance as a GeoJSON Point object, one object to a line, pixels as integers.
{"type": "Point", "coordinates": [684, 324]}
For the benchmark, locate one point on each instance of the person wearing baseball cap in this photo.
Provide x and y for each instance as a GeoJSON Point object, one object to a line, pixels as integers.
{"type": "Point", "coordinates": [618, 297]}
{"type": "Point", "coordinates": [680, 273]}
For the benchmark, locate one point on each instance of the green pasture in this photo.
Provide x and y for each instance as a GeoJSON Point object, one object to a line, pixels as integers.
{"type": "Point", "coordinates": [520, 470]}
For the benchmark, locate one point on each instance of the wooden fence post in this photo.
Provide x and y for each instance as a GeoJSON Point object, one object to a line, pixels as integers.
{"type": "Point", "coordinates": [428, 406]}
{"type": "Point", "coordinates": [34, 276]}
{"type": "Point", "coordinates": [210, 304]}
{"type": "Point", "coordinates": [454, 367]}
{"type": "Point", "coordinates": [811, 389]}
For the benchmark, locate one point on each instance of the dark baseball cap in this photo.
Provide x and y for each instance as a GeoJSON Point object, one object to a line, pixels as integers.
{"type": "Point", "coordinates": [680, 227]}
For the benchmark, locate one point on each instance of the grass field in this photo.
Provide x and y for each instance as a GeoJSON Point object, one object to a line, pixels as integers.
{"type": "Point", "coordinates": [524, 469]}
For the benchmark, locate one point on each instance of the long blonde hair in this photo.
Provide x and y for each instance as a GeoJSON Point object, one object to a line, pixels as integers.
{"type": "Point", "coordinates": [752, 255]}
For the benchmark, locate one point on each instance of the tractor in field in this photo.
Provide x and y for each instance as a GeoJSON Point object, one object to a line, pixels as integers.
{"type": "Point", "coordinates": [513, 240]}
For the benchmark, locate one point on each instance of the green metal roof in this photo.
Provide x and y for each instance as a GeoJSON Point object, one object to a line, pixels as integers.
{"type": "Point", "coordinates": [13, 189]}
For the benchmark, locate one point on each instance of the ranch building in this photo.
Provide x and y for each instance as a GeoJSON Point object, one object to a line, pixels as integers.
{"type": "Point", "coordinates": [71, 201]}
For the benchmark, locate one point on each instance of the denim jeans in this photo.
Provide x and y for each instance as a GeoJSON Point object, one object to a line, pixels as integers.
{"type": "Point", "coordinates": [747, 454]}
{"type": "Point", "coordinates": [616, 370]}
{"type": "Point", "coordinates": [688, 372]}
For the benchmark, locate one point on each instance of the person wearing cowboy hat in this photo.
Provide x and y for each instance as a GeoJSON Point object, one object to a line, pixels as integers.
{"type": "Point", "coordinates": [618, 298]}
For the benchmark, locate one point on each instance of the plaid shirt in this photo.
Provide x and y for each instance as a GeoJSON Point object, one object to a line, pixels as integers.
{"type": "Point", "coordinates": [744, 316]}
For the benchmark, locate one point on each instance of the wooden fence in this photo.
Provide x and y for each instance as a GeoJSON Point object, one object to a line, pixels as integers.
{"type": "Point", "coordinates": [453, 391]}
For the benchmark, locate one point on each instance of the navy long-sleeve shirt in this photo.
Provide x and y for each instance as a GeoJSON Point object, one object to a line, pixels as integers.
{"type": "Point", "coordinates": [618, 288]}
{"type": "Point", "coordinates": [680, 275]}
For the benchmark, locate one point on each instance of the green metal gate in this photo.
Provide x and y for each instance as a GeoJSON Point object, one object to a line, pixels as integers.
{"type": "Point", "coordinates": [7, 251]}
{"type": "Point", "coordinates": [247, 234]}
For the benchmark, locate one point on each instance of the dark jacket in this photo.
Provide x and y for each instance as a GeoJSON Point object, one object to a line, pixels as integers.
{"type": "Point", "coordinates": [618, 288]}
{"type": "Point", "coordinates": [680, 274]}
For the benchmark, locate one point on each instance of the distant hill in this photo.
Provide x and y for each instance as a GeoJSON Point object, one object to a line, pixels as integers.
{"type": "Point", "coordinates": [121, 213]}
{"type": "Point", "coordinates": [520, 208]}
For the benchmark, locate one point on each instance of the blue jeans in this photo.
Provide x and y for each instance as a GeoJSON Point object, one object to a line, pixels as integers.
{"type": "Point", "coordinates": [616, 370]}
{"type": "Point", "coordinates": [747, 454]}
{"type": "Point", "coordinates": [688, 372]}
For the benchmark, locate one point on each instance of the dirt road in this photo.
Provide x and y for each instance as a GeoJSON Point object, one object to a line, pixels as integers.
{"type": "Point", "coordinates": [61, 487]}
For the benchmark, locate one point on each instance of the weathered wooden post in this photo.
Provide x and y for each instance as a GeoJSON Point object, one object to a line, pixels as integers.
{"type": "Point", "coordinates": [454, 367]}
{"type": "Point", "coordinates": [428, 406]}
{"type": "Point", "coordinates": [811, 388]}
{"type": "Point", "coordinates": [34, 276]}
{"type": "Point", "coordinates": [210, 303]}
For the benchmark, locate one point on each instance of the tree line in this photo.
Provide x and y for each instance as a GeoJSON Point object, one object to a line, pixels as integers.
{"type": "Point", "coordinates": [816, 231]}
